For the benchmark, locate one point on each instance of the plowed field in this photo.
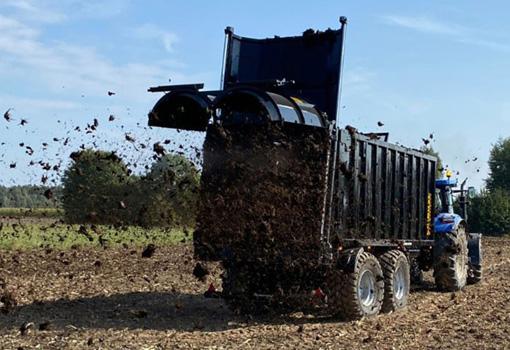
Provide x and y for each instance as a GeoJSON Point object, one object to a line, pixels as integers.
{"type": "Point", "coordinates": [113, 298]}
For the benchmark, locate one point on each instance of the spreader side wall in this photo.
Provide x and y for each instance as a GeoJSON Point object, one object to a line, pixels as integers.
{"type": "Point", "coordinates": [384, 191]}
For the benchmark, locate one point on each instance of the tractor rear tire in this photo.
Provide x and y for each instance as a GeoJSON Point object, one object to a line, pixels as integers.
{"type": "Point", "coordinates": [397, 280]}
{"type": "Point", "coordinates": [358, 294]}
{"type": "Point", "coordinates": [451, 266]}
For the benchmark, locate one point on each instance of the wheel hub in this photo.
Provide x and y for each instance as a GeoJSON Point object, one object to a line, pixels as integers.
{"type": "Point", "coordinates": [366, 288]}
{"type": "Point", "coordinates": [399, 284]}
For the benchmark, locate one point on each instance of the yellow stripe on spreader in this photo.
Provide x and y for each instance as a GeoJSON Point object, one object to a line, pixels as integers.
{"type": "Point", "coordinates": [429, 215]}
{"type": "Point", "coordinates": [297, 100]}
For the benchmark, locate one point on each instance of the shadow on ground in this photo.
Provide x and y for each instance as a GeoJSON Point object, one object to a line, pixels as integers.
{"type": "Point", "coordinates": [424, 287]}
{"type": "Point", "coordinates": [145, 310]}
{"type": "Point", "coordinates": [151, 310]}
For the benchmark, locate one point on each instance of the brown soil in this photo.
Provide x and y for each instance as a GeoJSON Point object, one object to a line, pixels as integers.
{"type": "Point", "coordinates": [112, 299]}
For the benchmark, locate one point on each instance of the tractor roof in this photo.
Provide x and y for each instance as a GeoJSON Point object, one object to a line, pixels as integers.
{"type": "Point", "coordinates": [448, 182]}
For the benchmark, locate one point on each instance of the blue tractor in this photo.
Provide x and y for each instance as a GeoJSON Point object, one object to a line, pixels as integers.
{"type": "Point", "coordinates": [457, 253]}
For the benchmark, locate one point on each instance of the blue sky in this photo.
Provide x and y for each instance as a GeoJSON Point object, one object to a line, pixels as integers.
{"type": "Point", "coordinates": [439, 67]}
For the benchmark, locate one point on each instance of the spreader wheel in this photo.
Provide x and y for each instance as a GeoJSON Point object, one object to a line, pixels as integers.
{"type": "Point", "coordinates": [358, 294]}
{"type": "Point", "coordinates": [396, 271]}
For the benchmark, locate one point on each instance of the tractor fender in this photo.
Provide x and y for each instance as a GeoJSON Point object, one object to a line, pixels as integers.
{"type": "Point", "coordinates": [475, 248]}
{"type": "Point", "coordinates": [346, 260]}
{"type": "Point", "coordinates": [444, 222]}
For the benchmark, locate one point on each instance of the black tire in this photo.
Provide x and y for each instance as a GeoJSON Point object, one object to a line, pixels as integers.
{"type": "Point", "coordinates": [348, 299]}
{"type": "Point", "coordinates": [475, 274]}
{"type": "Point", "coordinates": [397, 280]}
{"type": "Point", "coordinates": [451, 265]}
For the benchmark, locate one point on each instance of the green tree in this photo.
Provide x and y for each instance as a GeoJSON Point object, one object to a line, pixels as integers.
{"type": "Point", "coordinates": [95, 187]}
{"type": "Point", "coordinates": [489, 212]}
{"type": "Point", "coordinates": [4, 197]}
{"type": "Point", "coordinates": [171, 188]}
{"type": "Point", "coordinates": [98, 188]}
{"type": "Point", "coordinates": [29, 196]}
{"type": "Point", "coordinates": [499, 165]}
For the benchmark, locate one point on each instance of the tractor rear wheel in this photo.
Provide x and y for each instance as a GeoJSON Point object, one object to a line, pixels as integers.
{"type": "Point", "coordinates": [451, 265]}
{"type": "Point", "coordinates": [397, 280]}
{"type": "Point", "coordinates": [358, 294]}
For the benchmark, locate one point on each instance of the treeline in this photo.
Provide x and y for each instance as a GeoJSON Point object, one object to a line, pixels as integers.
{"type": "Point", "coordinates": [489, 211]}
{"type": "Point", "coordinates": [29, 196]}
{"type": "Point", "coordinates": [98, 187]}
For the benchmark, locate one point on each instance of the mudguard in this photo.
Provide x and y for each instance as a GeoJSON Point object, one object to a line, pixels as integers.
{"type": "Point", "coordinates": [475, 248]}
{"type": "Point", "coordinates": [444, 222]}
{"type": "Point", "coordinates": [346, 260]}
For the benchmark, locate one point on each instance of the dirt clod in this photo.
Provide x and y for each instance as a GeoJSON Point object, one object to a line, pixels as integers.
{"type": "Point", "coordinates": [148, 252]}
{"type": "Point", "coordinates": [200, 272]}
{"type": "Point", "coordinates": [7, 302]}
{"type": "Point", "coordinates": [25, 327]}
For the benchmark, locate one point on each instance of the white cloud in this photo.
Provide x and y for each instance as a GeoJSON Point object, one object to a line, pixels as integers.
{"type": "Point", "coordinates": [56, 11]}
{"type": "Point", "coordinates": [152, 32]}
{"type": "Point", "coordinates": [13, 29]}
{"type": "Point", "coordinates": [456, 32]}
{"type": "Point", "coordinates": [79, 67]}
{"type": "Point", "coordinates": [34, 11]}
{"type": "Point", "coordinates": [423, 24]}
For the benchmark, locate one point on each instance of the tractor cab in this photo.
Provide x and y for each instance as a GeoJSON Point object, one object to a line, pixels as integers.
{"type": "Point", "coordinates": [444, 195]}
{"type": "Point", "coordinates": [446, 219]}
